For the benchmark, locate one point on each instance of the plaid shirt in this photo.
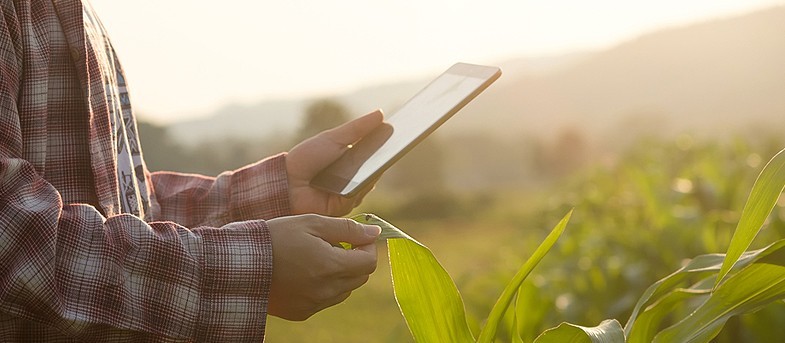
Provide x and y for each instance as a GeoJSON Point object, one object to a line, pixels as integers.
{"type": "Point", "coordinates": [186, 258]}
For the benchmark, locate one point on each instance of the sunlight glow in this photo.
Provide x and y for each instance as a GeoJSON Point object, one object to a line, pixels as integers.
{"type": "Point", "coordinates": [185, 58]}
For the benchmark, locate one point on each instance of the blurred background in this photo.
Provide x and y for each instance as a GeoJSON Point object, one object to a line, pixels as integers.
{"type": "Point", "coordinates": [651, 119]}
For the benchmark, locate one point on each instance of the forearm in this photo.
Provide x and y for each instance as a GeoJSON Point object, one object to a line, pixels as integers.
{"type": "Point", "coordinates": [256, 191]}
{"type": "Point", "coordinates": [69, 268]}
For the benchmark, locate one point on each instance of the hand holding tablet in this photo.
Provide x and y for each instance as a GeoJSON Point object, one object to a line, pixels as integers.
{"type": "Point", "coordinates": [367, 159]}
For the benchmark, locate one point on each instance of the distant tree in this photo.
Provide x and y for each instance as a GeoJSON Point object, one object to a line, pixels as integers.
{"type": "Point", "coordinates": [160, 152]}
{"type": "Point", "coordinates": [209, 157]}
{"type": "Point", "coordinates": [321, 115]}
{"type": "Point", "coordinates": [216, 156]}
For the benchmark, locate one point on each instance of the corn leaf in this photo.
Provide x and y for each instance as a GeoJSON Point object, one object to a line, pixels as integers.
{"type": "Point", "coordinates": [649, 321]}
{"type": "Point", "coordinates": [531, 307]}
{"type": "Point", "coordinates": [497, 312]}
{"type": "Point", "coordinates": [748, 290]}
{"type": "Point", "coordinates": [609, 331]}
{"type": "Point", "coordinates": [764, 195]}
{"type": "Point", "coordinates": [516, 337]}
{"type": "Point", "coordinates": [703, 266]}
{"type": "Point", "coordinates": [426, 295]}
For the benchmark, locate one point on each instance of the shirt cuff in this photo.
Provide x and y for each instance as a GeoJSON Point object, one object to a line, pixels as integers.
{"type": "Point", "coordinates": [236, 279]}
{"type": "Point", "coordinates": [261, 190]}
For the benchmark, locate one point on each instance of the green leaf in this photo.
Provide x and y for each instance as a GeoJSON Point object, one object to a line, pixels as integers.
{"type": "Point", "coordinates": [427, 296]}
{"type": "Point", "coordinates": [497, 312]}
{"type": "Point", "coordinates": [531, 307]}
{"type": "Point", "coordinates": [609, 331]}
{"type": "Point", "coordinates": [748, 290]}
{"type": "Point", "coordinates": [763, 197]}
{"type": "Point", "coordinates": [650, 320]}
{"type": "Point", "coordinates": [516, 329]}
{"type": "Point", "coordinates": [700, 266]}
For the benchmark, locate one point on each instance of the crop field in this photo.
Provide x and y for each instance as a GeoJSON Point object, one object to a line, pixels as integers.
{"type": "Point", "coordinates": [636, 219]}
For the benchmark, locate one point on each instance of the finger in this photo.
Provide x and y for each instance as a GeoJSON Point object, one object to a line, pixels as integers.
{"type": "Point", "coordinates": [342, 289]}
{"type": "Point", "coordinates": [334, 300]}
{"type": "Point", "coordinates": [352, 283]}
{"type": "Point", "coordinates": [339, 205]}
{"type": "Point", "coordinates": [369, 248]}
{"type": "Point", "coordinates": [306, 159]}
{"type": "Point", "coordinates": [361, 261]}
{"type": "Point", "coordinates": [336, 230]}
{"type": "Point", "coordinates": [358, 199]}
{"type": "Point", "coordinates": [352, 131]}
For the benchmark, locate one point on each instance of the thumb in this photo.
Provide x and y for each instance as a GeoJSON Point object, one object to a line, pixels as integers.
{"type": "Point", "coordinates": [338, 230]}
{"type": "Point", "coordinates": [354, 130]}
{"type": "Point", "coordinates": [308, 158]}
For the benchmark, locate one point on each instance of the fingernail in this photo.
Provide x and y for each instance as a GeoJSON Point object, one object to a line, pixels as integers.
{"type": "Point", "coordinates": [372, 230]}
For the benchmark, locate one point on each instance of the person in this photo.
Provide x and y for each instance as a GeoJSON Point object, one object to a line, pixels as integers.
{"type": "Point", "coordinates": [94, 247]}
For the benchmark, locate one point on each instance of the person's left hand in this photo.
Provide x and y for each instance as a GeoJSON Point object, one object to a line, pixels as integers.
{"type": "Point", "coordinates": [308, 158]}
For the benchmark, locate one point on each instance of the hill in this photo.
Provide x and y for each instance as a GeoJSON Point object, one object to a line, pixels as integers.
{"type": "Point", "coordinates": [265, 118]}
{"type": "Point", "coordinates": [706, 78]}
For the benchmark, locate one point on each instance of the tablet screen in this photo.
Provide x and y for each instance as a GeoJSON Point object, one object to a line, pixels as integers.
{"type": "Point", "coordinates": [405, 128]}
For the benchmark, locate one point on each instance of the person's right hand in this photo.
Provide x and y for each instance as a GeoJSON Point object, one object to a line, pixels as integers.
{"type": "Point", "coordinates": [307, 159]}
{"type": "Point", "coordinates": [309, 272]}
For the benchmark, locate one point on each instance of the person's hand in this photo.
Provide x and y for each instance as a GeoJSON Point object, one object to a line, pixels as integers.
{"type": "Point", "coordinates": [308, 158]}
{"type": "Point", "coordinates": [309, 272]}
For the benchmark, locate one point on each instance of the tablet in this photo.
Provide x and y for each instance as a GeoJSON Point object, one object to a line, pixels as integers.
{"type": "Point", "coordinates": [368, 158]}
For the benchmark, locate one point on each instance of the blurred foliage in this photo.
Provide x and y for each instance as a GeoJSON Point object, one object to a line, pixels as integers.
{"type": "Point", "coordinates": [159, 149]}
{"type": "Point", "coordinates": [481, 203]}
{"type": "Point", "coordinates": [206, 157]}
{"type": "Point", "coordinates": [638, 218]}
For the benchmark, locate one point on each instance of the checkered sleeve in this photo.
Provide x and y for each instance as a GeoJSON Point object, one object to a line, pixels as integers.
{"type": "Point", "coordinates": [100, 278]}
{"type": "Point", "coordinates": [68, 273]}
{"type": "Point", "coordinates": [256, 191]}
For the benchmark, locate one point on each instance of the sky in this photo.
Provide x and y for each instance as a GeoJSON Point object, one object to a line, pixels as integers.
{"type": "Point", "coordinates": [186, 58]}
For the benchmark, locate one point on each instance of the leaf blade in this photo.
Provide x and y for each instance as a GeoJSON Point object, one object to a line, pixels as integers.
{"type": "Point", "coordinates": [762, 199]}
{"type": "Point", "coordinates": [488, 332]}
{"type": "Point", "coordinates": [756, 285]}
{"type": "Point", "coordinates": [609, 331]}
{"type": "Point", "coordinates": [426, 294]}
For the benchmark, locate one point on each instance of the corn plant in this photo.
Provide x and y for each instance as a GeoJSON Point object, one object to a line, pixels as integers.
{"type": "Point", "coordinates": [715, 286]}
